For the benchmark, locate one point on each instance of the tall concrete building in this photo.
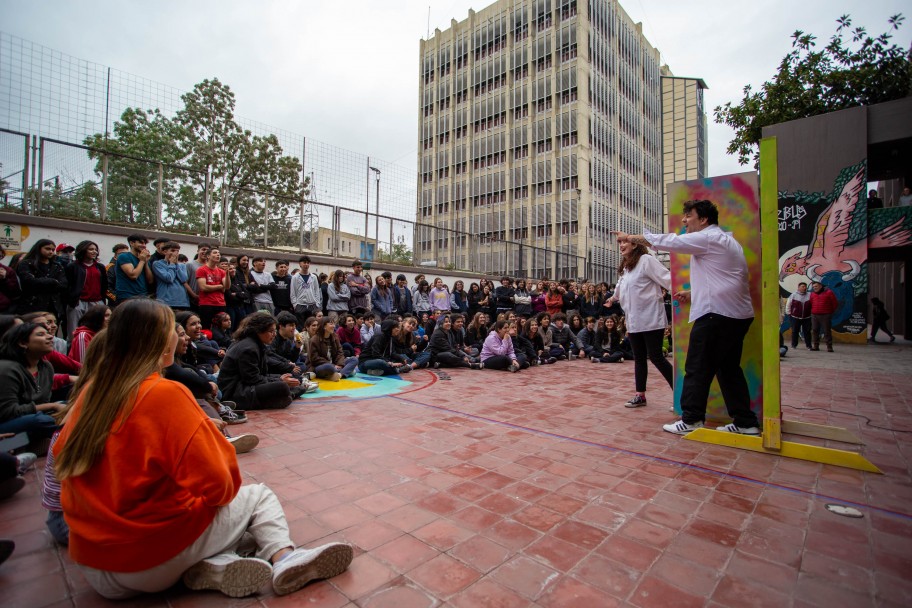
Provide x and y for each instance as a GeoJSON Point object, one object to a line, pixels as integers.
{"type": "Point", "coordinates": [684, 143]}
{"type": "Point", "coordinates": [539, 132]}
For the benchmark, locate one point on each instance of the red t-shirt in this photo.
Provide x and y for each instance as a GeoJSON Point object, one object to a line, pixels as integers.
{"type": "Point", "coordinates": [213, 276]}
{"type": "Point", "coordinates": [91, 289]}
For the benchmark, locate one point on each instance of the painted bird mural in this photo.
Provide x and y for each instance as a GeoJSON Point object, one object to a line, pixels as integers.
{"type": "Point", "coordinates": [830, 251]}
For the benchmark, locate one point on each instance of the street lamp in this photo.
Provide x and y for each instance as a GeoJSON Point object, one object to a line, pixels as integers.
{"type": "Point", "coordinates": [377, 216]}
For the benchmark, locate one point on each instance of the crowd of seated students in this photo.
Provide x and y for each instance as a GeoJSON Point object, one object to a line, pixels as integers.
{"type": "Point", "coordinates": [249, 339]}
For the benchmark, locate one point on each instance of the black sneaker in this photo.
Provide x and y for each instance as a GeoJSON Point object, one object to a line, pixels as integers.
{"type": "Point", "coordinates": [637, 401]}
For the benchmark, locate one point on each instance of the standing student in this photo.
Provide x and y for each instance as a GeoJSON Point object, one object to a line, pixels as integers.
{"type": "Point", "coordinates": [721, 312]}
{"type": "Point", "coordinates": [171, 286]}
{"type": "Point", "coordinates": [133, 271]}
{"type": "Point", "coordinates": [212, 283]}
{"type": "Point", "coordinates": [879, 322]}
{"type": "Point", "coordinates": [111, 271]}
{"type": "Point", "coordinates": [440, 297]}
{"type": "Point", "coordinates": [42, 278]}
{"type": "Point", "coordinates": [202, 252]}
{"type": "Point", "coordinates": [639, 292]}
{"type": "Point", "coordinates": [281, 288]}
{"type": "Point", "coordinates": [261, 286]}
{"type": "Point", "coordinates": [798, 307]}
{"type": "Point", "coordinates": [87, 282]}
{"type": "Point", "coordinates": [338, 295]}
{"type": "Point", "coordinates": [359, 288]}
{"type": "Point", "coordinates": [9, 285]}
{"type": "Point", "coordinates": [823, 305]}
{"type": "Point", "coordinates": [306, 297]}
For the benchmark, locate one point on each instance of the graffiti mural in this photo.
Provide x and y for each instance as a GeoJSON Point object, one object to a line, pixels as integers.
{"type": "Point", "coordinates": [891, 227]}
{"type": "Point", "coordinates": [737, 197]}
{"type": "Point", "coordinates": [823, 237]}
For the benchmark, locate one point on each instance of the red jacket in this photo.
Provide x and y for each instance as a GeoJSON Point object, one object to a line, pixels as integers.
{"type": "Point", "coordinates": [823, 303]}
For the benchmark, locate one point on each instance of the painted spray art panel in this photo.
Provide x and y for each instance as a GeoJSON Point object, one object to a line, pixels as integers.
{"type": "Point", "coordinates": [738, 199]}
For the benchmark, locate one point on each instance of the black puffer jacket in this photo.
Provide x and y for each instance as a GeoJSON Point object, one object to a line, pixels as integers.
{"type": "Point", "coordinates": [43, 286]}
{"type": "Point", "coordinates": [243, 368]}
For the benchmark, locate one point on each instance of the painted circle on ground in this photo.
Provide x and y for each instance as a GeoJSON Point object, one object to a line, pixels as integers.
{"type": "Point", "coordinates": [360, 386]}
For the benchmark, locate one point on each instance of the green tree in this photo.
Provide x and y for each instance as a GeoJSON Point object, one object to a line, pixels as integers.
{"type": "Point", "coordinates": [242, 166]}
{"type": "Point", "coordinates": [853, 69]}
{"type": "Point", "coordinates": [143, 143]}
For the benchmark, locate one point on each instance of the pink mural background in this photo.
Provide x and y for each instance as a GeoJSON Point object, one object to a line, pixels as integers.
{"type": "Point", "coordinates": [738, 199]}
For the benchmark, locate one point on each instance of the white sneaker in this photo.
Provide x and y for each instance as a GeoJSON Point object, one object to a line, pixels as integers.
{"type": "Point", "coordinates": [682, 428]}
{"type": "Point", "coordinates": [304, 565]}
{"type": "Point", "coordinates": [26, 460]}
{"type": "Point", "coordinates": [311, 387]}
{"type": "Point", "coordinates": [732, 428]}
{"type": "Point", "coordinates": [233, 575]}
{"type": "Point", "coordinates": [243, 443]}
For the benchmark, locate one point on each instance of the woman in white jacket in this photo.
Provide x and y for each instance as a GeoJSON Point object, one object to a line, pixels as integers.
{"type": "Point", "coordinates": [639, 292]}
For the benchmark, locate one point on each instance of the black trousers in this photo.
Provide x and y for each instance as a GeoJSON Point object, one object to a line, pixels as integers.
{"type": "Point", "coordinates": [714, 351]}
{"type": "Point", "coordinates": [448, 359]}
{"type": "Point", "coordinates": [498, 362]}
{"type": "Point", "coordinates": [648, 344]}
{"type": "Point", "coordinates": [805, 326]}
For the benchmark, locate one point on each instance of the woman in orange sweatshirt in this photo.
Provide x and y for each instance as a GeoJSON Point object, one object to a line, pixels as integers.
{"type": "Point", "coordinates": [151, 489]}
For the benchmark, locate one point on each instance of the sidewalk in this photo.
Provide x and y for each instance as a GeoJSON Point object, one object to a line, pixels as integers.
{"type": "Point", "coordinates": [541, 489]}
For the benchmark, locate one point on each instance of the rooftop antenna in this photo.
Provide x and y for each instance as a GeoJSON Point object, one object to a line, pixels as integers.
{"type": "Point", "coordinates": [429, 23]}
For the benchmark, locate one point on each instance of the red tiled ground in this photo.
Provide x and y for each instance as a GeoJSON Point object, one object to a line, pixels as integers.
{"type": "Point", "coordinates": [541, 489]}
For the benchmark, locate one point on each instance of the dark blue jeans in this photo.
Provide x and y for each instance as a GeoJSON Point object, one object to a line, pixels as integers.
{"type": "Point", "coordinates": [38, 426]}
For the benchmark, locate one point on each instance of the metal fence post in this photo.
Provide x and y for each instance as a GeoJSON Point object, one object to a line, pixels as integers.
{"type": "Point", "coordinates": [25, 178]}
{"type": "Point", "coordinates": [40, 172]}
{"type": "Point", "coordinates": [161, 179]}
{"type": "Point", "coordinates": [224, 230]}
{"type": "Point", "coordinates": [104, 187]}
{"type": "Point", "coordinates": [266, 224]}
{"type": "Point", "coordinates": [206, 186]}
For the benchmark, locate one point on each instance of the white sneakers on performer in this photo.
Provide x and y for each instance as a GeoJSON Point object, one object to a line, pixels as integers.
{"type": "Point", "coordinates": [732, 428]}
{"type": "Point", "coordinates": [682, 428]}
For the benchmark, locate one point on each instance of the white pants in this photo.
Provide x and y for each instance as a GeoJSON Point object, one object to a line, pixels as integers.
{"type": "Point", "coordinates": [255, 513]}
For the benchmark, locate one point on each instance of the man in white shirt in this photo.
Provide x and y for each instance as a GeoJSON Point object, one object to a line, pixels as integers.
{"type": "Point", "coordinates": [306, 297]}
{"type": "Point", "coordinates": [721, 312]}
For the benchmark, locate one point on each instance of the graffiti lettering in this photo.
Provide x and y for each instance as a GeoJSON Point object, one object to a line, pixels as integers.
{"type": "Point", "coordinates": [795, 213]}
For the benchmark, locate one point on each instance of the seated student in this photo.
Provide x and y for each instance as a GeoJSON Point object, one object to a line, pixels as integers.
{"type": "Point", "coordinates": [244, 377]}
{"type": "Point", "coordinates": [325, 357]}
{"type": "Point", "coordinates": [65, 368]}
{"type": "Point", "coordinates": [207, 394]}
{"type": "Point", "coordinates": [49, 320]}
{"type": "Point", "coordinates": [525, 351]}
{"type": "Point", "coordinates": [349, 334]}
{"type": "Point", "coordinates": [406, 345]}
{"type": "Point", "coordinates": [552, 349]}
{"type": "Point", "coordinates": [532, 332]}
{"type": "Point", "coordinates": [497, 352]}
{"type": "Point", "coordinates": [166, 474]}
{"type": "Point", "coordinates": [90, 323]}
{"type": "Point", "coordinates": [477, 331]}
{"type": "Point", "coordinates": [380, 358]}
{"type": "Point", "coordinates": [221, 329]}
{"type": "Point", "coordinates": [285, 344]}
{"type": "Point", "coordinates": [11, 471]}
{"type": "Point", "coordinates": [562, 334]}
{"type": "Point", "coordinates": [444, 352]}
{"type": "Point", "coordinates": [586, 336]}
{"type": "Point", "coordinates": [458, 337]}
{"type": "Point", "coordinates": [367, 328]}
{"type": "Point", "coordinates": [608, 344]}
{"type": "Point", "coordinates": [26, 381]}
{"type": "Point", "coordinates": [203, 354]}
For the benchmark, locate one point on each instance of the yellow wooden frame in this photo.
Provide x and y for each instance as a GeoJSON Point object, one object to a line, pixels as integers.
{"type": "Point", "coordinates": [770, 441]}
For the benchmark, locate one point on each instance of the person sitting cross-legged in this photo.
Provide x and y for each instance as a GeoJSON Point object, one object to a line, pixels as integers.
{"type": "Point", "coordinates": [325, 357]}
{"type": "Point", "coordinates": [152, 491]}
{"type": "Point", "coordinates": [244, 377]}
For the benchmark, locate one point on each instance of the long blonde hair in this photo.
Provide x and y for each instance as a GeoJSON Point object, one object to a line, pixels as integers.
{"type": "Point", "coordinates": [117, 361]}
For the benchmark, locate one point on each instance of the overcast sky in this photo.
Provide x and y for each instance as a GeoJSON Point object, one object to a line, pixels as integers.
{"type": "Point", "coordinates": [346, 73]}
